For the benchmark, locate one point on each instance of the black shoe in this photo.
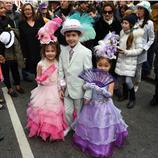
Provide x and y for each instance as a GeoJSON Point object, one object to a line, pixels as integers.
{"type": "Point", "coordinates": [20, 90]}
{"type": "Point", "coordinates": [117, 93]}
{"type": "Point", "coordinates": [13, 94]}
{"type": "Point", "coordinates": [123, 98]}
{"type": "Point", "coordinates": [132, 99]}
{"type": "Point", "coordinates": [1, 137]}
{"type": "Point", "coordinates": [131, 104]}
{"type": "Point", "coordinates": [1, 100]}
{"type": "Point", "coordinates": [2, 107]}
{"type": "Point", "coordinates": [154, 102]}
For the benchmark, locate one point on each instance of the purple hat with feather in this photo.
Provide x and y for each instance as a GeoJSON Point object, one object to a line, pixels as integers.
{"type": "Point", "coordinates": [108, 46]}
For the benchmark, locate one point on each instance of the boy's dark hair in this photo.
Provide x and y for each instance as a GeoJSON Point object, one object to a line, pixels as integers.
{"type": "Point", "coordinates": [79, 33]}
{"type": "Point", "coordinates": [55, 45]}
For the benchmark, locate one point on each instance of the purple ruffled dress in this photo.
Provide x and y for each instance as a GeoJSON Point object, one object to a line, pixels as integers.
{"type": "Point", "coordinates": [100, 127]}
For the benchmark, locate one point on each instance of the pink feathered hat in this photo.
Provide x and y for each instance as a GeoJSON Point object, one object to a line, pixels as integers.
{"type": "Point", "coordinates": [46, 33]}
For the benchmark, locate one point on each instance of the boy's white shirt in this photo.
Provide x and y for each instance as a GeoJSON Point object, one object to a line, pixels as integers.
{"type": "Point", "coordinates": [69, 71]}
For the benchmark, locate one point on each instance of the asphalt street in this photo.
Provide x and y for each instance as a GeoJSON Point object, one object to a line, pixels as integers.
{"type": "Point", "coordinates": [142, 120]}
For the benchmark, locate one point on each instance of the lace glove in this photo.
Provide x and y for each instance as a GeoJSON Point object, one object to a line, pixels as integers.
{"type": "Point", "coordinates": [89, 86]}
{"type": "Point", "coordinates": [103, 91]}
{"type": "Point", "coordinates": [106, 93]}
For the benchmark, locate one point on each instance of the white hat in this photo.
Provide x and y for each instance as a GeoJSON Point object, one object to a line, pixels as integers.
{"type": "Point", "coordinates": [7, 38]}
{"type": "Point", "coordinates": [146, 5]}
{"type": "Point", "coordinates": [72, 25]}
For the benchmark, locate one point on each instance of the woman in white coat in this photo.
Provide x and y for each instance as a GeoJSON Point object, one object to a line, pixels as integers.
{"type": "Point", "coordinates": [145, 58]}
{"type": "Point", "coordinates": [130, 46]}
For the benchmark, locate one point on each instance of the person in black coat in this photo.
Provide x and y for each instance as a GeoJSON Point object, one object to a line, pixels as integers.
{"type": "Point", "coordinates": [66, 9]}
{"type": "Point", "coordinates": [154, 100]}
{"type": "Point", "coordinates": [30, 45]}
{"type": "Point", "coordinates": [107, 23]}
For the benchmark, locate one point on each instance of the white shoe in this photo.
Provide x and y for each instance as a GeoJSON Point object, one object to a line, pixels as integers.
{"type": "Point", "coordinates": [136, 88]}
{"type": "Point", "coordinates": [67, 131]}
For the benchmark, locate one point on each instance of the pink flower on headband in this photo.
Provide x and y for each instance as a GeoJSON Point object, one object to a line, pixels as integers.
{"type": "Point", "coordinates": [46, 33]}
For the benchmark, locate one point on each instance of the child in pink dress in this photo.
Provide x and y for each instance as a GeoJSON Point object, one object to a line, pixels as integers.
{"type": "Point", "coordinates": [46, 110]}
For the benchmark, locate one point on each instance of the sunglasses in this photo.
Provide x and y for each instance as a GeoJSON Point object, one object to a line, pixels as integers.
{"type": "Point", "coordinates": [109, 12]}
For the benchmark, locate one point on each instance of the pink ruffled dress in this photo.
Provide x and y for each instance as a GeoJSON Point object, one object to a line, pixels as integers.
{"type": "Point", "coordinates": [46, 111]}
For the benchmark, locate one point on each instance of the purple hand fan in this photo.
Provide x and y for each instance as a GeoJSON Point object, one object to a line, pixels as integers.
{"type": "Point", "coordinates": [97, 76]}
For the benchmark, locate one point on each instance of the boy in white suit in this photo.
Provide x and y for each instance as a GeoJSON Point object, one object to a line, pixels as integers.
{"type": "Point", "coordinates": [73, 59]}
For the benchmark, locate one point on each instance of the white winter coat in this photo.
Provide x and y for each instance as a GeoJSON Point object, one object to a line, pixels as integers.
{"type": "Point", "coordinates": [126, 63]}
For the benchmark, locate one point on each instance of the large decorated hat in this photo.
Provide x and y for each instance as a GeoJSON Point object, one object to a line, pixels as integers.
{"type": "Point", "coordinates": [42, 5]}
{"type": "Point", "coordinates": [72, 25]}
{"type": "Point", "coordinates": [46, 33]}
{"type": "Point", "coordinates": [82, 23]}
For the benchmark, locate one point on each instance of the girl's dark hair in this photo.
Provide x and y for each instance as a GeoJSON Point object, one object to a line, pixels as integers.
{"type": "Point", "coordinates": [130, 39]}
{"type": "Point", "coordinates": [100, 58]}
{"type": "Point", "coordinates": [146, 18]}
{"type": "Point", "coordinates": [109, 60]}
{"type": "Point", "coordinates": [22, 11]}
{"type": "Point", "coordinates": [55, 45]}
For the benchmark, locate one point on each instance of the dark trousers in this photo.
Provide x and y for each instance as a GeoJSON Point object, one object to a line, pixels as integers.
{"type": "Point", "coordinates": [156, 87]}
{"type": "Point", "coordinates": [147, 66]}
{"type": "Point", "coordinates": [10, 65]}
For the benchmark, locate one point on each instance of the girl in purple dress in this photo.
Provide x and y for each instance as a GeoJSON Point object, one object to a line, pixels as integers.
{"type": "Point", "coordinates": [100, 126]}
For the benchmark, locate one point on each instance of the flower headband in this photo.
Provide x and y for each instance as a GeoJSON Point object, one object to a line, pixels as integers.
{"type": "Point", "coordinates": [108, 46]}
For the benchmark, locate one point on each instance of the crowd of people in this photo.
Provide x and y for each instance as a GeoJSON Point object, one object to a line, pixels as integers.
{"type": "Point", "coordinates": [81, 53]}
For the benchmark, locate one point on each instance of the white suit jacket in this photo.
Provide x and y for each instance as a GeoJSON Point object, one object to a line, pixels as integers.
{"type": "Point", "coordinates": [69, 71]}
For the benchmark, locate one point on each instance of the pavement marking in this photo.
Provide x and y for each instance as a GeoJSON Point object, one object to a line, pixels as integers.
{"type": "Point", "coordinates": [19, 132]}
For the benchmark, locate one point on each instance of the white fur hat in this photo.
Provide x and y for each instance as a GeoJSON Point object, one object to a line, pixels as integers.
{"type": "Point", "coordinates": [7, 38]}
{"type": "Point", "coordinates": [72, 25]}
{"type": "Point", "coordinates": [146, 5]}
